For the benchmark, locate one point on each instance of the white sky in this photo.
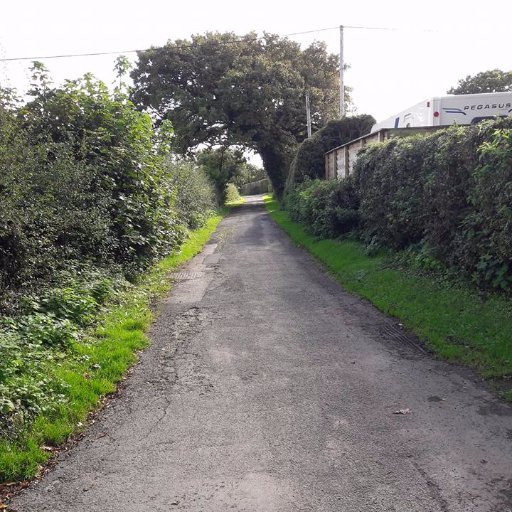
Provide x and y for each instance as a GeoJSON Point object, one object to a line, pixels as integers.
{"type": "Point", "coordinates": [439, 41]}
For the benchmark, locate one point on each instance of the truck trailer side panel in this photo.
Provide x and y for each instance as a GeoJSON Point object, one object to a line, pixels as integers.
{"type": "Point", "coordinates": [454, 109]}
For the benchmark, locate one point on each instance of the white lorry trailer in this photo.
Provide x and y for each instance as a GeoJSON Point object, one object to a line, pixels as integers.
{"type": "Point", "coordinates": [453, 109]}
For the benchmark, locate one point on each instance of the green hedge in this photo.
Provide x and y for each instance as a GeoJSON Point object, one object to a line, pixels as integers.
{"type": "Point", "coordinates": [90, 196]}
{"type": "Point", "coordinates": [330, 208]}
{"type": "Point", "coordinates": [309, 161]}
{"type": "Point", "coordinates": [86, 180]}
{"type": "Point", "coordinates": [447, 195]}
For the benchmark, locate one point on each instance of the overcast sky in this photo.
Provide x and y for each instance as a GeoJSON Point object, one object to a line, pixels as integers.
{"type": "Point", "coordinates": [437, 42]}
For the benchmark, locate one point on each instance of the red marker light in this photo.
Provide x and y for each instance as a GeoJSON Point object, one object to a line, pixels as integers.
{"type": "Point", "coordinates": [436, 114]}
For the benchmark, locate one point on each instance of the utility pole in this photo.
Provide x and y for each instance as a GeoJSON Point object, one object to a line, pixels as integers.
{"type": "Point", "coordinates": [342, 84]}
{"type": "Point", "coordinates": [308, 114]}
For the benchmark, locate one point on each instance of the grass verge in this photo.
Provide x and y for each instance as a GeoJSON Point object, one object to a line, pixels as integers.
{"type": "Point", "coordinates": [456, 323]}
{"type": "Point", "coordinates": [98, 363]}
{"type": "Point", "coordinates": [236, 202]}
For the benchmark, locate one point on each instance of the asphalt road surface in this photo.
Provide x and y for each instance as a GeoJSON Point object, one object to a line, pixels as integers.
{"type": "Point", "coordinates": [269, 388]}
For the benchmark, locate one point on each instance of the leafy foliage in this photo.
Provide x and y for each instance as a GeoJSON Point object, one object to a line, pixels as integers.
{"type": "Point", "coordinates": [193, 192]}
{"type": "Point", "coordinates": [494, 80]}
{"type": "Point", "coordinates": [232, 194]}
{"type": "Point", "coordinates": [309, 160]}
{"type": "Point", "coordinates": [223, 165]}
{"type": "Point", "coordinates": [390, 191]}
{"type": "Point", "coordinates": [329, 208]}
{"type": "Point", "coordinates": [124, 160]}
{"type": "Point", "coordinates": [445, 198]}
{"type": "Point", "coordinates": [86, 179]}
{"type": "Point", "coordinates": [51, 210]}
{"type": "Point", "coordinates": [222, 89]}
{"type": "Point", "coordinates": [449, 192]}
{"type": "Point", "coordinates": [33, 344]}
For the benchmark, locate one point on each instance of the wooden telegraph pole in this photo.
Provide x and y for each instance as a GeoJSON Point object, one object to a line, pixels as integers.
{"type": "Point", "coordinates": [342, 85]}
{"type": "Point", "coordinates": [308, 114]}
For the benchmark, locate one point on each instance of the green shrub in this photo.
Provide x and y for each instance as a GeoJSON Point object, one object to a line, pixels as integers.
{"type": "Point", "coordinates": [309, 161]}
{"type": "Point", "coordinates": [390, 188]}
{"type": "Point", "coordinates": [194, 193]}
{"type": "Point", "coordinates": [124, 157]}
{"type": "Point", "coordinates": [232, 194]}
{"type": "Point", "coordinates": [485, 243]}
{"type": "Point", "coordinates": [50, 210]}
{"type": "Point", "coordinates": [225, 165]}
{"type": "Point", "coordinates": [449, 161]}
{"type": "Point", "coordinates": [445, 198]}
{"type": "Point", "coordinates": [329, 208]}
{"type": "Point", "coordinates": [86, 181]}
{"type": "Point", "coordinates": [449, 192]}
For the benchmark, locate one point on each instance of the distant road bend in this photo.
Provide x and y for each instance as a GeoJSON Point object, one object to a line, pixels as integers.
{"type": "Point", "coordinates": [269, 388]}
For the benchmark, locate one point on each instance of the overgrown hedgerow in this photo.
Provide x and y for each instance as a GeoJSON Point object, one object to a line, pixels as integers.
{"type": "Point", "coordinates": [446, 196]}
{"type": "Point", "coordinates": [329, 208]}
{"type": "Point", "coordinates": [90, 196]}
{"type": "Point", "coordinates": [85, 179]}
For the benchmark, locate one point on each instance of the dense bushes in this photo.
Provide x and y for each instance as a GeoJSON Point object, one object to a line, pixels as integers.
{"type": "Point", "coordinates": [309, 161]}
{"type": "Point", "coordinates": [50, 215]}
{"type": "Point", "coordinates": [224, 166]}
{"type": "Point", "coordinates": [232, 195]}
{"type": "Point", "coordinates": [85, 179]}
{"type": "Point", "coordinates": [123, 156]}
{"type": "Point", "coordinates": [447, 196]}
{"type": "Point", "coordinates": [89, 197]}
{"type": "Point", "coordinates": [193, 193]}
{"type": "Point", "coordinates": [330, 208]}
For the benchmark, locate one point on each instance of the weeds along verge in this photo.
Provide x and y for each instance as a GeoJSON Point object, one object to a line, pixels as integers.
{"type": "Point", "coordinates": [91, 197]}
{"type": "Point", "coordinates": [76, 345]}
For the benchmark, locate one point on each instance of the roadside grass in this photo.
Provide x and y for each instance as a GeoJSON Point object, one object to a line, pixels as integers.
{"type": "Point", "coordinates": [97, 364]}
{"type": "Point", "coordinates": [455, 322]}
{"type": "Point", "coordinates": [237, 202]}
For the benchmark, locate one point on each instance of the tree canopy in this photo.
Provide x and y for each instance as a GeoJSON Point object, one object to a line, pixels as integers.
{"type": "Point", "coordinates": [493, 80]}
{"type": "Point", "coordinates": [225, 165]}
{"type": "Point", "coordinates": [222, 89]}
{"type": "Point", "coordinates": [309, 161]}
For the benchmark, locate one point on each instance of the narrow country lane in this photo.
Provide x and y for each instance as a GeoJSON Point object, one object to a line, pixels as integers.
{"type": "Point", "coordinates": [268, 388]}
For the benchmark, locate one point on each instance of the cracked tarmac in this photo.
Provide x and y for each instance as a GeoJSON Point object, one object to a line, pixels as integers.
{"type": "Point", "coordinates": [269, 388]}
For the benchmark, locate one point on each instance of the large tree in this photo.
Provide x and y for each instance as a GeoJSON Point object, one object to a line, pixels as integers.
{"type": "Point", "coordinates": [221, 89]}
{"type": "Point", "coordinates": [494, 80]}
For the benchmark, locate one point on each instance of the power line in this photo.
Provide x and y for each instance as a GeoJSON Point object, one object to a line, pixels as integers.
{"type": "Point", "coordinates": [233, 41]}
{"type": "Point", "coordinates": [391, 29]}
{"type": "Point", "coordinates": [65, 56]}
{"type": "Point", "coordinates": [179, 47]}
